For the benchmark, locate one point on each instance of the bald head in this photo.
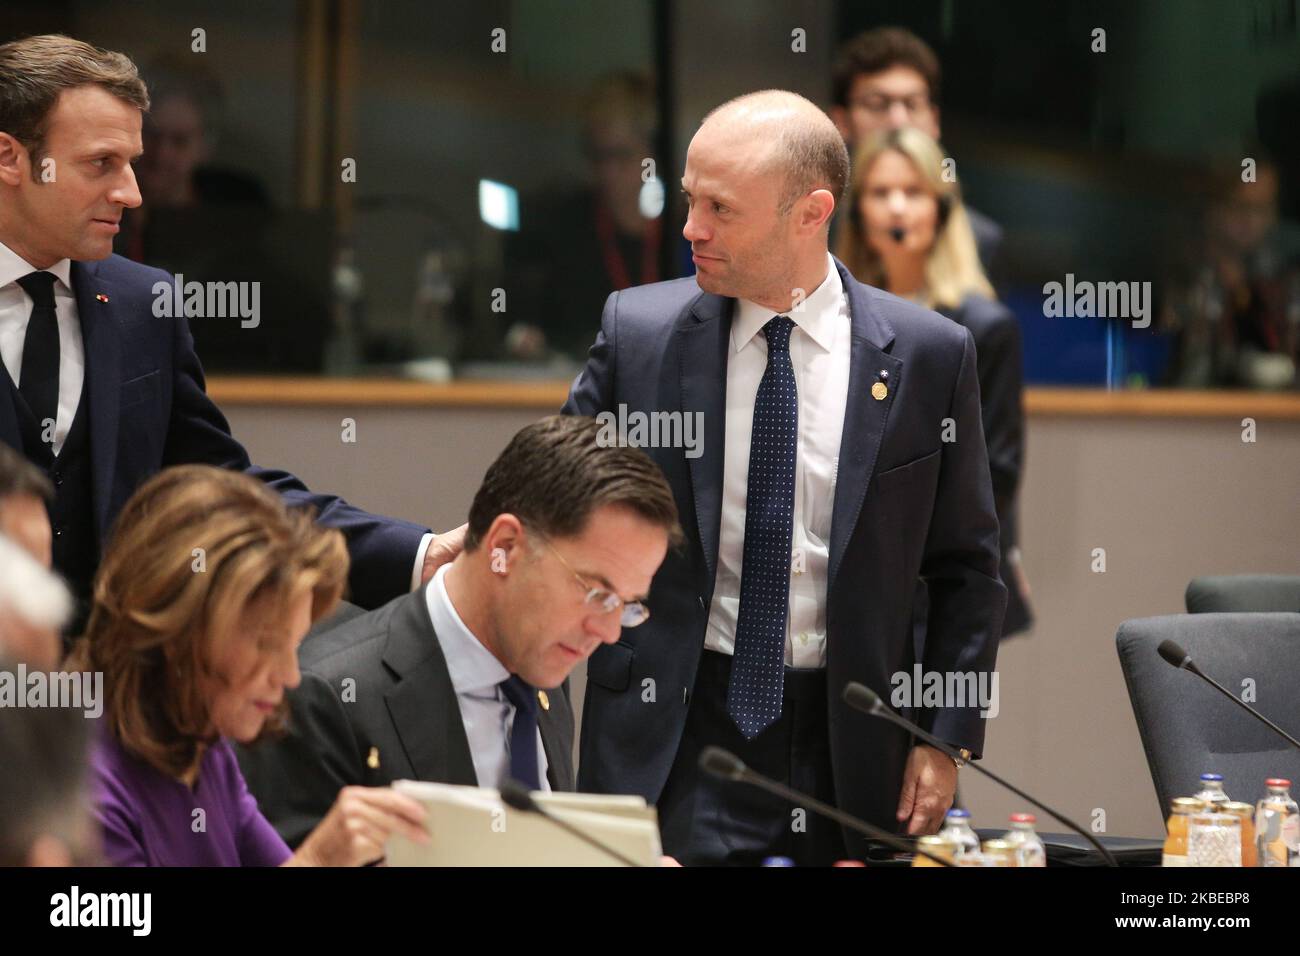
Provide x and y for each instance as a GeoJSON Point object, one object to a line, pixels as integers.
{"type": "Point", "coordinates": [783, 131]}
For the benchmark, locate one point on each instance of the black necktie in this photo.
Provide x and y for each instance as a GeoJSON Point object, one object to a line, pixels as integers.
{"type": "Point", "coordinates": [523, 733]}
{"type": "Point", "coordinates": [38, 377]}
{"type": "Point", "coordinates": [758, 665]}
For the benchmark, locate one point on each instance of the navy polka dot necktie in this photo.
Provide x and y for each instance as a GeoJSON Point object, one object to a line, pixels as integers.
{"type": "Point", "coordinates": [758, 667]}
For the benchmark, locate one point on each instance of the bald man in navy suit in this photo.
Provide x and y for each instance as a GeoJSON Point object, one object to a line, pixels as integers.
{"type": "Point", "coordinates": [827, 481]}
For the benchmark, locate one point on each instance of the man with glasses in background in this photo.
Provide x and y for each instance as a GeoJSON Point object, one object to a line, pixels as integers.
{"type": "Point", "coordinates": [465, 680]}
{"type": "Point", "coordinates": [888, 78]}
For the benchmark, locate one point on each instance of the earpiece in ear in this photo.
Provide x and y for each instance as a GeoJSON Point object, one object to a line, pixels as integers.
{"type": "Point", "coordinates": [498, 560]}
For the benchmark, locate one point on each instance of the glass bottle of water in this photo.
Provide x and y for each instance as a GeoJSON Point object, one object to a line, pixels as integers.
{"type": "Point", "coordinates": [1277, 825]}
{"type": "Point", "coordinates": [1028, 845]}
{"type": "Point", "coordinates": [957, 829]}
{"type": "Point", "coordinates": [1211, 791]}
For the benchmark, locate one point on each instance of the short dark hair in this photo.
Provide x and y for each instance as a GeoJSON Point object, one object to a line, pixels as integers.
{"type": "Point", "coordinates": [876, 51]}
{"type": "Point", "coordinates": [557, 471]}
{"type": "Point", "coordinates": [35, 70]}
{"type": "Point", "coordinates": [18, 476]}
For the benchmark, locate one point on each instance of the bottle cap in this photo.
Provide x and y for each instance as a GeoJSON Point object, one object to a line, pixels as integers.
{"type": "Point", "coordinates": [1277, 782]}
{"type": "Point", "coordinates": [1212, 776]}
{"type": "Point", "coordinates": [1023, 818]}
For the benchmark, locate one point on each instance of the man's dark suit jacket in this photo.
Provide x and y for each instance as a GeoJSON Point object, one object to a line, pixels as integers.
{"type": "Point", "coordinates": [906, 504]}
{"type": "Point", "coordinates": [402, 704]}
{"type": "Point", "coordinates": [1001, 375]}
{"type": "Point", "coordinates": [148, 410]}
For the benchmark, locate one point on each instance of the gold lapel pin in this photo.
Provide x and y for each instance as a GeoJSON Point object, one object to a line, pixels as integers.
{"type": "Point", "coordinates": [101, 297]}
{"type": "Point", "coordinates": [544, 700]}
{"type": "Point", "coordinates": [372, 759]}
{"type": "Point", "coordinates": [879, 391]}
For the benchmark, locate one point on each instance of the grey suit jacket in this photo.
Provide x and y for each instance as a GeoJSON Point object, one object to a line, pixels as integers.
{"type": "Point", "coordinates": [401, 704]}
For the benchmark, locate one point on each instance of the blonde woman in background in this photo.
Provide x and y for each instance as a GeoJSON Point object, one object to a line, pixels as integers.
{"type": "Point", "coordinates": [908, 233]}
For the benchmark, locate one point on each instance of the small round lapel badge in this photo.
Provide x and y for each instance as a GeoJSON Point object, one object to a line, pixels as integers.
{"type": "Point", "coordinates": [544, 700]}
{"type": "Point", "coordinates": [101, 297]}
{"type": "Point", "coordinates": [879, 391]}
{"type": "Point", "coordinates": [372, 759]}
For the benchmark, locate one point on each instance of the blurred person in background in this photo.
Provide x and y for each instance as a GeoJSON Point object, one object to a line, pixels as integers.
{"type": "Point", "coordinates": [907, 231]}
{"type": "Point", "coordinates": [888, 78]}
{"type": "Point", "coordinates": [207, 589]}
{"type": "Point", "coordinates": [25, 493]}
{"type": "Point", "coordinates": [35, 607]}
{"type": "Point", "coordinates": [176, 170]}
{"type": "Point", "coordinates": [574, 249]}
{"type": "Point", "coordinates": [44, 805]}
{"type": "Point", "coordinates": [1234, 307]}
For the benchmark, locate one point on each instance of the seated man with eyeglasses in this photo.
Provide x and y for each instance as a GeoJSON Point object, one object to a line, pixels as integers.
{"type": "Point", "coordinates": [465, 680]}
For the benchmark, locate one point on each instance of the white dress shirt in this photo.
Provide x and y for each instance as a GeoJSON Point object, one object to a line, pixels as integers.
{"type": "Point", "coordinates": [819, 352]}
{"type": "Point", "coordinates": [16, 312]}
{"type": "Point", "coordinates": [475, 674]}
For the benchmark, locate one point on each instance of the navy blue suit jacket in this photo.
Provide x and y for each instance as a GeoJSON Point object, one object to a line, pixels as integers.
{"type": "Point", "coordinates": [907, 504]}
{"type": "Point", "coordinates": [148, 410]}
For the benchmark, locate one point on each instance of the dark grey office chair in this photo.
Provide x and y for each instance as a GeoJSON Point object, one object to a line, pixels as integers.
{"type": "Point", "coordinates": [1243, 592]}
{"type": "Point", "coordinates": [1187, 727]}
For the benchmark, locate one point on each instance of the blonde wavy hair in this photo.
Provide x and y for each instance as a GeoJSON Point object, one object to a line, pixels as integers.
{"type": "Point", "coordinates": [953, 269]}
{"type": "Point", "coordinates": [162, 607]}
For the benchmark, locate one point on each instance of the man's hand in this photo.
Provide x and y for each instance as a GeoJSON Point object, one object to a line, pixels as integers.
{"type": "Point", "coordinates": [442, 549]}
{"type": "Point", "coordinates": [929, 784]}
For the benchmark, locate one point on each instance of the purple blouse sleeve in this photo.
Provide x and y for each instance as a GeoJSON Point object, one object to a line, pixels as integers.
{"type": "Point", "coordinates": [113, 810]}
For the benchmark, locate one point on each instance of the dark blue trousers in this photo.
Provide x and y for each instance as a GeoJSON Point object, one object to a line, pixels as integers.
{"type": "Point", "coordinates": [707, 821]}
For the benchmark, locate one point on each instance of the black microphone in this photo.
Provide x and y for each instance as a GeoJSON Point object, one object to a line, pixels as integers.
{"type": "Point", "coordinates": [1174, 654]}
{"type": "Point", "coordinates": [897, 233]}
{"type": "Point", "coordinates": [518, 797]}
{"type": "Point", "coordinates": [866, 700]}
{"type": "Point", "coordinates": [726, 765]}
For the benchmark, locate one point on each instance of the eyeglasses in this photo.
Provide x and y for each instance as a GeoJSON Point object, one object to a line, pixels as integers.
{"type": "Point", "coordinates": [605, 601]}
{"type": "Point", "coordinates": [879, 104]}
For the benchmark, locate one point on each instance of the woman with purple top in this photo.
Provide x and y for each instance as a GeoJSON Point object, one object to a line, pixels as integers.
{"type": "Point", "coordinates": [208, 587]}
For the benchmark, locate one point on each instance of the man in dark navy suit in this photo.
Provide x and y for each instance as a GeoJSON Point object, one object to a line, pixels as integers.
{"type": "Point", "coordinates": [842, 458]}
{"type": "Point", "coordinates": [96, 390]}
